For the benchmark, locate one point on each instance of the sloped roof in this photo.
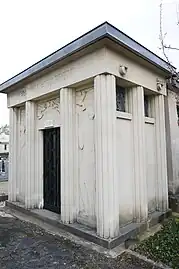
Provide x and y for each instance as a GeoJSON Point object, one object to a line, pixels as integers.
{"type": "Point", "coordinates": [105, 30]}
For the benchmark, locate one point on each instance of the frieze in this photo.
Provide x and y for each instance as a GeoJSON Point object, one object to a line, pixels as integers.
{"type": "Point", "coordinates": [42, 107]}
{"type": "Point", "coordinates": [82, 104]}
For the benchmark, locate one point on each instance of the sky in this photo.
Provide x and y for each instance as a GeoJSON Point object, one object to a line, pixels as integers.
{"type": "Point", "coordinates": [32, 29]}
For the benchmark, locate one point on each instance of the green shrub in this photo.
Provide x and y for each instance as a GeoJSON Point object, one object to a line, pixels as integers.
{"type": "Point", "coordinates": [164, 245]}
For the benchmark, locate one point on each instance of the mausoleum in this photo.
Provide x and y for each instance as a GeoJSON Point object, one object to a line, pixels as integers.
{"type": "Point", "coordinates": [87, 133]}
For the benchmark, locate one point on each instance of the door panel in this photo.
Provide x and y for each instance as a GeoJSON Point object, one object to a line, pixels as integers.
{"type": "Point", "coordinates": [52, 169]}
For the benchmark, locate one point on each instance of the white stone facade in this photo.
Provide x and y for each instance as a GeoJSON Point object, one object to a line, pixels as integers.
{"type": "Point", "coordinates": [113, 163]}
{"type": "Point", "coordinates": [172, 132]}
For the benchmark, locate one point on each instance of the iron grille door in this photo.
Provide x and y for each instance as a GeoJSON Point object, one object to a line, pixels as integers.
{"type": "Point", "coordinates": [52, 169]}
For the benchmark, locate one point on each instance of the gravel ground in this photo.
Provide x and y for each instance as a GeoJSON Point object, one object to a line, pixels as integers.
{"type": "Point", "coordinates": [24, 245]}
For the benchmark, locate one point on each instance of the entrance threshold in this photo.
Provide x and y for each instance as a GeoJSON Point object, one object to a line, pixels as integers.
{"type": "Point", "coordinates": [126, 233]}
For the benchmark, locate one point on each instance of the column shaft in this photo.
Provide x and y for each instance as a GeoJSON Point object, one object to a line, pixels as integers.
{"type": "Point", "coordinates": [107, 204]}
{"type": "Point", "coordinates": [39, 168]}
{"type": "Point", "coordinates": [13, 149]}
{"type": "Point", "coordinates": [162, 188]}
{"type": "Point", "coordinates": [137, 105]}
{"type": "Point", "coordinates": [30, 154]}
{"type": "Point", "coordinates": [68, 208]}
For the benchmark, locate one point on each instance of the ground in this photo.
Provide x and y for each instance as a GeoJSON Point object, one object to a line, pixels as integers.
{"type": "Point", "coordinates": [24, 245]}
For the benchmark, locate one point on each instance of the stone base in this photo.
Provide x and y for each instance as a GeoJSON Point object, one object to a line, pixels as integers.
{"type": "Point", "coordinates": [174, 202]}
{"type": "Point", "coordinates": [128, 232]}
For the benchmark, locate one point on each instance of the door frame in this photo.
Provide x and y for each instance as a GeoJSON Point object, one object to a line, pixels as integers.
{"type": "Point", "coordinates": [46, 205]}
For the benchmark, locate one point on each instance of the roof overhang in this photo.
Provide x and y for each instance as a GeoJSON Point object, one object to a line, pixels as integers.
{"type": "Point", "coordinates": [104, 30]}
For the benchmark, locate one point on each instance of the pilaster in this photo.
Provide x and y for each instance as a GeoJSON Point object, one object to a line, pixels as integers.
{"type": "Point", "coordinates": [162, 188]}
{"type": "Point", "coordinates": [13, 149]}
{"type": "Point", "coordinates": [107, 204]}
{"type": "Point", "coordinates": [68, 207]}
{"type": "Point", "coordinates": [30, 155]}
{"type": "Point", "coordinates": [172, 135]}
{"type": "Point", "coordinates": [39, 168]}
{"type": "Point", "coordinates": [137, 107]}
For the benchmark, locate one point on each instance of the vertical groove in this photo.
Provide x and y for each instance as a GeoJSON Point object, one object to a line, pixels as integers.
{"type": "Point", "coordinates": [61, 157]}
{"type": "Point", "coordinates": [172, 130]}
{"type": "Point", "coordinates": [76, 166]}
{"type": "Point", "coordinates": [74, 159]}
{"type": "Point", "coordinates": [104, 152]}
{"type": "Point", "coordinates": [19, 181]}
{"type": "Point", "coordinates": [39, 167]}
{"type": "Point", "coordinates": [10, 182]}
{"type": "Point", "coordinates": [153, 112]}
{"type": "Point", "coordinates": [130, 100]}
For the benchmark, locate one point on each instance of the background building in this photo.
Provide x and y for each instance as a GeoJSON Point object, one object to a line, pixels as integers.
{"type": "Point", "coordinates": [4, 152]}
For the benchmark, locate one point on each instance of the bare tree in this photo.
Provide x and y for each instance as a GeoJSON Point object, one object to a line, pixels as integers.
{"type": "Point", "coordinates": [165, 47]}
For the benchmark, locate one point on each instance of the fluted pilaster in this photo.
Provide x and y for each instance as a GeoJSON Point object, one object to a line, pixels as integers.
{"type": "Point", "coordinates": [13, 150]}
{"type": "Point", "coordinates": [162, 188]}
{"type": "Point", "coordinates": [39, 169]}
{"type": "Point", "coordinates": [137, 106]}
{"type": "Point", "coordinates": [67, 101]}
{"type": "Point", "coordinates": [107, 204]}
{"type": "Point", "coordinates": [30, 155]}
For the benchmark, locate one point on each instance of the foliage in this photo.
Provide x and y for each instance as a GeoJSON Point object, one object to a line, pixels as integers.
{"type": "Point", "coordinates": [164, 245]}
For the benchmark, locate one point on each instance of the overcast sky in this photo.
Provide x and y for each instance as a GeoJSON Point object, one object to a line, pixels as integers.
{"type": "Point", "coordinates": [32, 29]}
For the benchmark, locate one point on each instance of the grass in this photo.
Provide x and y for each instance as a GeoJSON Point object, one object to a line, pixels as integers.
{"type": "Point", "coordinates": [164, 245]}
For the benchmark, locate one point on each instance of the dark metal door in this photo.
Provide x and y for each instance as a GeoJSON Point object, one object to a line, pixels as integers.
{"type": "Point", "coordinates": [52, 169]}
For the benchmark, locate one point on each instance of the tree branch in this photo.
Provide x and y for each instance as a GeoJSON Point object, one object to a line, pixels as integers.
{"type": "Point", "coordinates": [162, 37]}
{"type": "Point", "coordinates": [171, 48]}
{"type": "Point", "coordinates": [177, 13]}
